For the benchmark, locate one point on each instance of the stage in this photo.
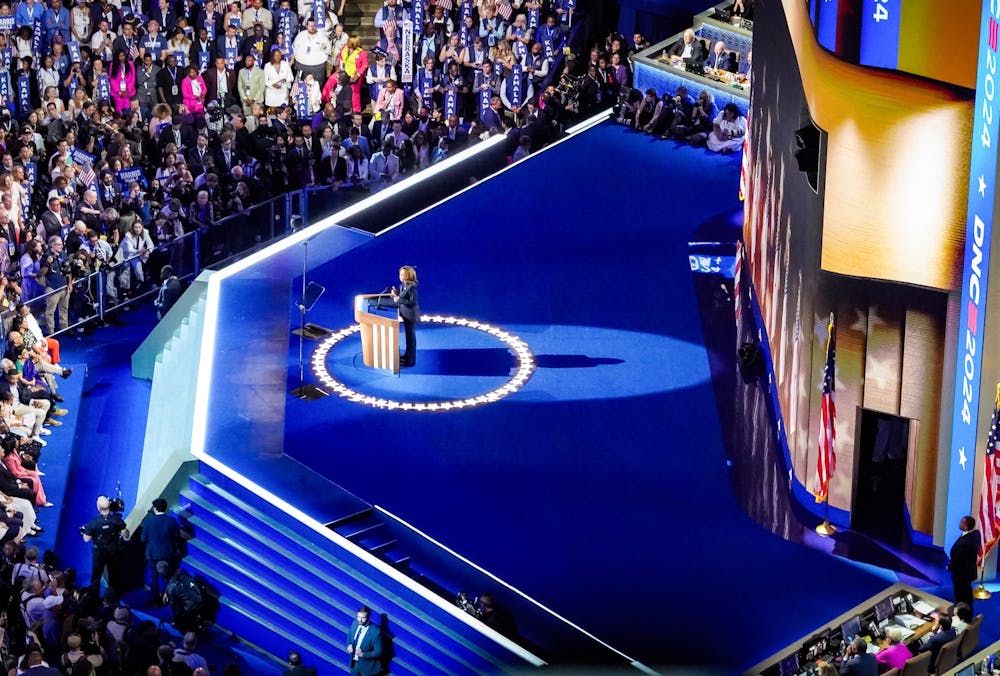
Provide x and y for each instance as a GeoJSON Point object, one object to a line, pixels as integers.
{"type": "Point", "coordinates": [589, 469]}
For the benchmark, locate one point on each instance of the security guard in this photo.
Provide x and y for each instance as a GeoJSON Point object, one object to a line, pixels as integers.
{"type": "Point", "coordinates": [106, 532]}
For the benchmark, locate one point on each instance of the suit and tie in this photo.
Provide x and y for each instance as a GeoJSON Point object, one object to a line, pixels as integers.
{"type": "Point", "coordinates": [963, 564]}
{"type": "Point", "coordinates": [366, 656]}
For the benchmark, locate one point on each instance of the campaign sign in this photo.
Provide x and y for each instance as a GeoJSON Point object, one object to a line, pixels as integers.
{"type": "Point", "coordinates": [230, 58]}
{"type": "Point", "coordinates": [319, 13]}
{"type": "Point", "coordinates": [162, 127]}
{"type": "Point", "coordinates": [515, 88]}
{"type": "Point", "coordinates": [7, 23]}
{"type": "Point", "coordinates": [450, 103]}
{"type": "Point", "coordinates": [126, 176]}
{"type": "Point", "coordinates": [31, 173]}
{"type": "Point", "coordinates": [103, 87]}
{"type": "Point", "coordinates": [80, 156]}
{"type": "Point", "coordinates": [302, 102]}
{"type": "Point", "coordinates": [74, 52]}
{"type": "Point", "coordinates": [407, 52]}
{"type": "Point", "coordinates": [24, 95]}
{"type": "Point", "coordinates": [182, 58]}
{"type": "Point", "coordinates": [37, 35]}
{"type": "Point", "coordinates": [203, 59]}
{"type": "Point", "coordinates": [466, 10]}
{"type": "Point", "coordinates": [485, 94]}
{"type": "Point", "coordinates": [533, 18]}
{"type": "Point", "coordinates": [418, 12]}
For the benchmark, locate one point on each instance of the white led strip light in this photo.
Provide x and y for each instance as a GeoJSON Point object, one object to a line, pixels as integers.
{"type": "Point", "coordinates": [525, 367]}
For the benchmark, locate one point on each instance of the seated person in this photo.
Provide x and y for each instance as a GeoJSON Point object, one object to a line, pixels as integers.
{"type": "Point", "coordinates": [718, 60]}
{"type": "Point", "coordinates": [687, 49]}
{"type": "Point", "coordinates": [858, 661]}
{"type": "Point", "coordinates": [942, 633]}
{"type": "Point", "coordinates": [645, 110]}
{"type": "Point", "coordinates": [895, 653]}
{"type": "Point", "coordinates": [683, 111]}
{"type": "Point", "coordinates": [746, 67]}
{"type": "Point", "coordinates": [961, 617]}
{"type": "Point", "coordinates": [729, 128]}
{"type": "Point", "coordinates": [702, 119]}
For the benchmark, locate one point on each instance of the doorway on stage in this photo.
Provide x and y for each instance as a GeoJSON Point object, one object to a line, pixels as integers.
{"type": "Point", "coordinates": [879, 500]}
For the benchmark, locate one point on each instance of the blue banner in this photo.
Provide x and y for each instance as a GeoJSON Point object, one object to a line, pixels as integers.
{"type": "Point", "coordinates": [81, 157]}
{"type": "Point", "coordinates": [450, 103]}
{"type": "Point", "coordinates": [210, 27]}
{"type": "Point", "coordinates": [74, 52]}
{"type": "Point", "coordinates": [31, 173]}
{"type": "Point", "coordinates": [285, 25]}
{"type": "Point", "coordinates": [163, 126]}
{"type": "Point", "coordinates": [485, 94]}
{"type": "Point", "coordinates": [466, 10]}
{"type": "Point", "coordinates": [880, 33]}
{"type": "Point", "coordinates": [5, 97]}
{"type": "Point", "coordinates": [37, 39]}
{"type": "Point", "coordinates": [975, 269]}
{"type": "Point", "coordinates": [103, 86]}
{"type": "Point", "coordinates": [7, 23]}
{"type": "Point", "coordinates": [533, 18]}
{"type": "Point", "coordinates": [515, 86]}
{"type": "Point", "coordinates": [826, 24]}
{"type": "Point", "coordinates": [203, 60]}
{"type": "Point", "coordinates": [319, 13]}
{"type": "Point", "coordinates": [126, 176]}
{"type": "Point", "coordinates": [302, 102]}
{"type": "Point", "coordinates": [230, 58]}
{"type": "Point", "coordinates": [418, 14]}
{"type": "Point", "coordinates": [74, 84]}
{"type": "Point", "coordinates": [6, 58]}
{"type": "Point", "coordinates": [234, 21]}
{"type": "Point", "coordinates": [24, 95]}
{"type": "Point", "coordinates": [182, 58]}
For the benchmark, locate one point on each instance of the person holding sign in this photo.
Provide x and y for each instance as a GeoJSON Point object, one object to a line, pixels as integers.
{"type": "Point", "coordinates": [310, 49]}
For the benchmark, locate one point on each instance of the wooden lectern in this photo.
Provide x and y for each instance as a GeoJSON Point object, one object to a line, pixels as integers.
{"type": "Point", "coordinates": [379, 334]}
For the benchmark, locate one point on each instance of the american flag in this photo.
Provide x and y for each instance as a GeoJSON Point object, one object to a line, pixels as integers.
{"type": "Point", "coordinates": [133, 51]}
{"type": "Point", "coordinates": [504, 10]}
{"type": "Point", "coordinates": [826, 462]}
{"type": "Point", "coordinates": [445, 5]}
{"type": "Point", "coordinates": [745, 163]}
{"type": "Point", "coordinates": [87, 175]}
{"type": "Point", "coordinates": [988, 520]}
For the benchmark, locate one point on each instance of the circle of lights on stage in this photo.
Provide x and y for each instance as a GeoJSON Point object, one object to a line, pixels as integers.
{"type": "Point", "coordinates": [525, 367]}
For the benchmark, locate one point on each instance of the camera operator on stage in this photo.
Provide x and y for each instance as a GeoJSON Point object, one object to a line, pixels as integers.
{"type": "Point", "coordinates": [106, 532]}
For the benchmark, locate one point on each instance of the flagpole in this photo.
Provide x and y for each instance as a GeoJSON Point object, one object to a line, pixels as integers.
{"type": "Point", "coordinates": [981, 593]}
{"type": "Point", "coordinates": [826, 529]}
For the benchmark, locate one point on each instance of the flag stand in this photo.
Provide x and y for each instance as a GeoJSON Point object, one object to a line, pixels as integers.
{"type": "Point", "coordinates": [981, 593]}
{"type": "Point", "coordinates": [826, 529]}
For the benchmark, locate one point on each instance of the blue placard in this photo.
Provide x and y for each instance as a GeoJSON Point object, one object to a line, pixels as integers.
{"type": "Point", "coordinates": [302, 102]}
{"type": "Point", "coordinates": [975, 269]}
{"type": "Point", "coordinates": [466, 10]}
{"type": "Point", "coordinates": [880, 33]}
{"type": "Point", "coordinates": [31, 173]}
{"type": "Point", "coordinates": [230, 58]}
{"type": "Point", "coordinates": [418, 14]}
{"type": "Point", "coordinates": [7, 22]}
{"type": "Point", "coordinates": [515, 84]}
{"type": "Point", "coordinates": [126, 176]}
{"type": "Point", "coordinates": [182, 58]}
{"type": "Point", "coordinates": [319, 13]}
{"type": "Point", "coordinates": [104, 87]}
{"type": "Point", "coordinates": [826, 24]}
{"type": "Point", "coordinates": [234, 21]}
{"type": "Point", "coordinates": [74, 52]}
{"type": "Point", "coordinates": [533, 18]}
{"type": "Point", "coordinates": [485, 94]}
{"type": "Point", "coordinates": [24, 95]}
{"type": "Point", "coordinates": [6, 58]}
{"type": "Point", "coordinates": [203, 59]}
{"type": "Point", "coordinates": [210, 28]}
{"type": "Point", "coordinates": [5, 98]}
{"type": "Point", "coordinates": [81, 156]}
{"type": "Point", "coordinates": [450, 103]}
{"type": "Point", "coordinates": [37, 35]}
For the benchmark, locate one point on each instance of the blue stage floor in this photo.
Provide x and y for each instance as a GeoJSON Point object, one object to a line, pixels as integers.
{"type": "Point", "coordinates": [601, 487]}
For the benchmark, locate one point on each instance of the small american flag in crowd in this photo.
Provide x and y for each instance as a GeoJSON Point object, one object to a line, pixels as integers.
{"type": "Point", "coordinates": [504, 11]}
{"type": "Point", "coordinates": [87, 175]}
{"type": "Point", "coordinates": [445, 5]}
{"type": "Point", "coordinates": [133, 51]}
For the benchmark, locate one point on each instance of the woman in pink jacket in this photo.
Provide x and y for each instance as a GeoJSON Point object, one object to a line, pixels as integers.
{"type": "Point", "coordinates": [193, 90]}
{"type": "Point", "coordinates": [122, 81]}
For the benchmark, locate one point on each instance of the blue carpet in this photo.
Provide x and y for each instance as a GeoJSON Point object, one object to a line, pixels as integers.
{"type": "Point", "coordinates": [601, 488]}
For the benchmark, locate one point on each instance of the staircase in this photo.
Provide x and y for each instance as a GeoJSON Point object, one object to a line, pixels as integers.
{"type": "Point", "coordinates": [285, 586]}
{"type": "Point", "coordinates": [358, 19]}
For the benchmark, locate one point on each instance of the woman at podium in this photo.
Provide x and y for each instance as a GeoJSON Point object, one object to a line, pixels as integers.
{"type": "Point", "coordinates": [409, 312]}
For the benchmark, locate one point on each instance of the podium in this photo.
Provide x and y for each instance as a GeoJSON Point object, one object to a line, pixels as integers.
{"type": "Point", "coordinates": [379, 332]}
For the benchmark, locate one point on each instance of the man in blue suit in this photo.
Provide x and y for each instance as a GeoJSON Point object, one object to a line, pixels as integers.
{"type": "Point", "coordinates": [858, 661]}
{"type": "Point", "coordinates": [364, 643]}
{"type": "Point", "coordinates": [945, 633]}
{"type": "Point", "coordinates": [162, 536]}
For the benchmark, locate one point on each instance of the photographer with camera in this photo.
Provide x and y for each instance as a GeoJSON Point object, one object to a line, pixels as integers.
{"type": "Point", "coordinates": [58, 276]}
{"type": "Point", "coordinates": [106, 532]}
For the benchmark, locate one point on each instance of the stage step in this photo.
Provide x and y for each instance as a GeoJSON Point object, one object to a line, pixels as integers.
{"type": "Point", "coordinates": [269, 567]}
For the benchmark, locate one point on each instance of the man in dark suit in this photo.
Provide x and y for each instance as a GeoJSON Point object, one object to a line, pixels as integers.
{"type": "Point", "coordinates": [858, 661]}
{"type": "Point", "coordinates": [687, 50]}
{"type": "Point", "coordinates": [364, 644]}
{"type": "Point", "coordinates": [161, 535]}
{"type": "Point", "coordinates": [459, 137]}
{"type": "Point", "coordinates": [220, 82]}
{"type": "Point", "coordinates": [945, 633]}
{"type": "Point", "coordinates": [963, 560]}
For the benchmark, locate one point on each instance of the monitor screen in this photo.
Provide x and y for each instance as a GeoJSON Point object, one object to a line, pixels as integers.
{"type": "Point", "coordinates": [790, 665]}
{"type": "Point", "coordinates": [851, 628]}
{"type": "Point", "coordinates": [968, 671]}
{"type": "Point", "coordinates": [884, 609]}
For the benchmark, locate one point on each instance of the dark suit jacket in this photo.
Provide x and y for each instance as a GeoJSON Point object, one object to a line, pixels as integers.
{"type": "Point", "coordinates": [212, 83]}
{"type": "Point", "coordinates": [963, 556]}
{"type": "Point", "coordinates": [160, 534]}
{"type": "Point", "coordinates": [370, 663]}
{"type": "Point", "coordinates": [697, 50]}
{"type": "Point", "coordinates": [860, 665]}
{"type": "Point", "coordinates": [408, 307]}
{"type": "Point", "coordinates": [935, 642]}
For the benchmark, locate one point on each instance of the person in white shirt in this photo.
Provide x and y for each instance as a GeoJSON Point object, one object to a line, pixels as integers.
{"type": "Point", "coordinates": [277, 81]}
{"type": "Point", "coordinates": [357, 167]}
{"type": "Point", "coordinates": [311, 49]}
{"type": "Point", "coordinates": [383, 170]}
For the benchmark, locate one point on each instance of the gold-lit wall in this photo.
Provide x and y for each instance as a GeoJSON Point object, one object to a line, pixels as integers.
{"type": "Point", "coordinates": [938, 40]}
